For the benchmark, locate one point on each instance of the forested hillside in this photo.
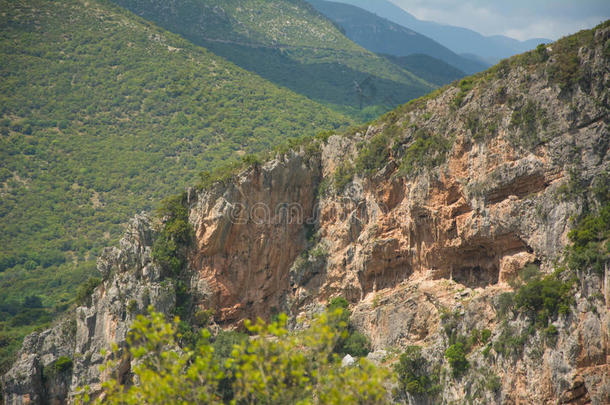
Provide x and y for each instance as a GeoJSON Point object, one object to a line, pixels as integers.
{"type": "Point", "coordinates": [102, 114]}
{"type": "Point", "coordinates": [289, 43]}
{"type": "Point", "coordinates": [431, 69]}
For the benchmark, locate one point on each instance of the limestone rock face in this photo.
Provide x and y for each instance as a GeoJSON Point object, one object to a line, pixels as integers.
{"type": "Point", "coordinates": [247, 231]}
{"type": "Point", "coordinates": [132, 283]}
{"type": "Point", "coordinates": [415, 253]}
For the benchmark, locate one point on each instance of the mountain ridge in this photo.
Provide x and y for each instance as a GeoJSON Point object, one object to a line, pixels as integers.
{"type": "Point", "coordinates": [458, 39]}
{"type": "Point", "coordinates": [382, 36]}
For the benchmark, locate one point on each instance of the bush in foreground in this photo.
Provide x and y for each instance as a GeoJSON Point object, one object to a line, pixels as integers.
{"type": "Point", "coordinates": [274, 366]}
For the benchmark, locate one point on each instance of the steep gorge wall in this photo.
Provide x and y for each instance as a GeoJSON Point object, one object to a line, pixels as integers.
{"type": "Point", "coordinates": [404, 249]}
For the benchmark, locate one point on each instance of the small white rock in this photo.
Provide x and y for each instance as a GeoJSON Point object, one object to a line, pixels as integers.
{"type": "Point", "coordinates": [347, 361]}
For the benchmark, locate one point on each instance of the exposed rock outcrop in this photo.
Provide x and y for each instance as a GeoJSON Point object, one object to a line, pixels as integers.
{"type": "Point", "coordinates": [132, 283]}
{"type": "Point", "coordinates": [409, 250]}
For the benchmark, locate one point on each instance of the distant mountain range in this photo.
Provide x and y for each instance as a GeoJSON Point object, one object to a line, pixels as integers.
{"type": "Point", "coordinates": [459, 40]}
{"type": "Point", "coordinates": [380, 35]}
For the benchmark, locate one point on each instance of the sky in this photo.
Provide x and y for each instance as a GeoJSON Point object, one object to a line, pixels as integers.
{"type": "Point", "coordinates": [520, 19]}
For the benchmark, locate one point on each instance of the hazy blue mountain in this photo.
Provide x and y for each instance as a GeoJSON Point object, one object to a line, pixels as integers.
{"type": "Point", "coordinates": [459, 40]}
{"type": "Point", "coordinates": [383, 36]}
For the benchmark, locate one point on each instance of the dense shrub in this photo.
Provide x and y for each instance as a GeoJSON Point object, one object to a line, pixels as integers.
{"type": "Point", "coordinates": [465, 85]}
{"type": "Point", "coordinates": [485, 335]}
{"type": "Point", "coordinates": [221, 174]}
{"type": "Point", "coordinates": [31, 316]}
{"type": "Point", "coordinates": [351, 342]}
{"type": "Point", "coordinates": [32, 301]}
{"type": "Point", "coordinates": [456, 356]}
{"type": "Point", "coordinates": [84, 291]}
{"type": "Point", "coordinates": [544, 298]}
{"type": "Point", "coordinates": [356, 344]}
{"type": "Point", "coordinates": [411, 370]}
{"type": "Point", "coordinates": [132, 306]}
{"type": "Point", "coordinates": [62, 364]}
{"type": "Point", "coordinates": [273, 366]}
{"type": "Point", "coordinates": [169, 248]}
{"type": "Point", "coordinates": [425, 152]}
{"type": "Point", "coordinates": [591, 242]}
{"type": "Point", "coordinates": [373, 155]}
{"type": "Point", "coordinates": [225, 342]}
{"type": "Point", "coordinates": [344, 174]}
{"type": "Point", "coordinates": [338, 303]}
{"type": "Point", "coordinates": [6, 262]}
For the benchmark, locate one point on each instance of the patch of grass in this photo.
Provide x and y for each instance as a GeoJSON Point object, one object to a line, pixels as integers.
{"type": "Point", "coordinates": [493, 383]}
{"type": "Point", "coordinates": [465, 86]}
{"type": "Point", "coordinates": [550, 333]}
{"type": "Point", "coordinates": [575, 186]}
{"type": "Point", "coordinates": [533, 57]}
{"type": "Point", "coordinates": [61, 365]}
{"type": "Point", "coordinates": [505, 303]}
{"type": "Point", "coordinates": [509, 342]}
{"type": "Point", "coordinates": [473, 123]}
{"type": "Point", "coordinates": [529, 119]}
{"type": "Point", "coordinates": [373, 154]}
{"type": "Point", "coordinates": [566, 72]}
{"type": "Point", "coordinates": [344, 174]}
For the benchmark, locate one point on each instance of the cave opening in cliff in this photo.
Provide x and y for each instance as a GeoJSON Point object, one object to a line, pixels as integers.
{"type": "Point", "coordinates": [476, 276]}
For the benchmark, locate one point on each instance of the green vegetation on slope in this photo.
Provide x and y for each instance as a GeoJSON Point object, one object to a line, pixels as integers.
{"type": "Point", "coordinates": [175, 235]}
{"type": "Point", "coordinates": [101, 115]}
{"type": "Point", "coordinates": [590, 237]}
{"type": "Point", "coordinates": [415, 376]}
{"type": "Point", "coordinates": [292, 45]}
{"type": "Point", "coordinates": [428, 68]}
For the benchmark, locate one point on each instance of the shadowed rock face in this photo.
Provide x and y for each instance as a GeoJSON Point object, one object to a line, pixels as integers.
{"type": "Point", "coordinates": [248, 235]}
{"type": "Point", "coordinates": [404, 250]}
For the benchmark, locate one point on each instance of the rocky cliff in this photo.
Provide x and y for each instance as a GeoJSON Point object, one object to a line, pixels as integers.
{"type": "Point", "coordinates": [422, 220]}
